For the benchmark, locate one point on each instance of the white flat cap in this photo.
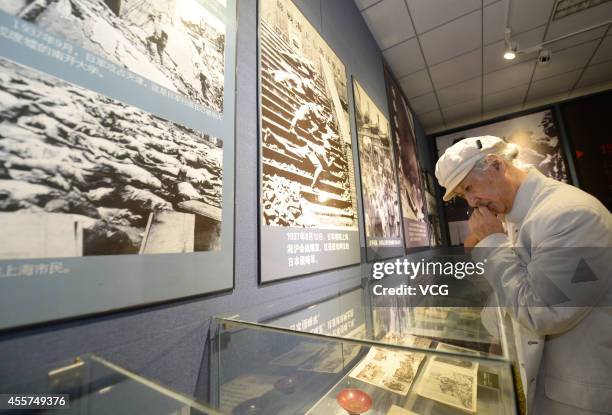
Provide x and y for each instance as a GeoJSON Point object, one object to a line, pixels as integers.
{"type": "Point", "coordinates": [459, 159]}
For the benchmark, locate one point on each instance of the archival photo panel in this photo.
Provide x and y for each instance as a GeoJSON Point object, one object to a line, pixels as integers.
{"type": "Point", "coordinates": [308, 200]}
{"type": "Point", "coordinates": [537, 137]}
{"type": "Point", "coordinates": [411, 187]}
{"type": "Point", "coordinates": [177, 44]}
{"type": "Point", "coordinates": [116, 173]}
{"type": "Point", "coordinates": [383, 228]}
{"type": "Point", "coordinates": [82, 170]}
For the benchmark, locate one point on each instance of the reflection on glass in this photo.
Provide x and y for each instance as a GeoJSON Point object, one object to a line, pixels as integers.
{"type": "Point", "coordinates": [96, 386]}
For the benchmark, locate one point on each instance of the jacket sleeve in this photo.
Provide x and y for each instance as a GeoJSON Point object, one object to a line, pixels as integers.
{"type": "Point", "coordinates": [551, 288]}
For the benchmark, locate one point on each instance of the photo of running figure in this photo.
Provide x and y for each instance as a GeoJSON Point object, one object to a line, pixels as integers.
{"type": "Point", "coordinates": [307, 173]}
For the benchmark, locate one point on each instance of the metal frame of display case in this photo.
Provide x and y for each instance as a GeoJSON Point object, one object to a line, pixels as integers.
{"type": "Point", "coordinates": [225, 327]}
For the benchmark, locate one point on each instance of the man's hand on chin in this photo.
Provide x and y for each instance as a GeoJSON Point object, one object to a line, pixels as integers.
{"type": "Point", "coordinates": [483, 223]}
{"type": "Point", "coordinates": [470, 241]}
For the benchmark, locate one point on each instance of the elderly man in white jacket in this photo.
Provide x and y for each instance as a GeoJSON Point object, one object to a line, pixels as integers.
{"type": "Point", "coordinates": [548, 247]}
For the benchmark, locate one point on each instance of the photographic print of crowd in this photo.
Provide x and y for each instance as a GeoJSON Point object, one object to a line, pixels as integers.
{"type": "Point", "coordinates": [378, 174]}
{"type": "Point", "coordinates": [177, 44]}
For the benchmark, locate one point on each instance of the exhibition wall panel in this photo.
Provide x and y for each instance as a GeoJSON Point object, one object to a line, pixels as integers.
{"type": "Point", "coordinates": [411, 177]}
{"type": "Point", "coordinates": [308, 201]}
{"type": "Point", "coordinates": [379, 189]}
{"type": "Point", "coordinates": [117, 155]}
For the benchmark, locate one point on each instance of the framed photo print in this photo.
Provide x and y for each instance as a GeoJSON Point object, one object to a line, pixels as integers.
{"type": "Point", "coordinates": [382, 216]}
{"type": "Point", "coordinates": [116, 154]}
{"type": "Point", "coordinates": [411, 187]}
{"type": "Point", "coordinates": [308, 202]}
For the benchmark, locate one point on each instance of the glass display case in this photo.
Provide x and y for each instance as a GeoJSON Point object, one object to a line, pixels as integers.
{"type": "Point", "coordinates": [353, 354]}
{"type": "Point", "coordinates": [92, 385]}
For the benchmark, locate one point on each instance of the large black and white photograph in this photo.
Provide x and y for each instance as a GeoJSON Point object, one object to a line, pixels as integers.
{"type": "Point", "coordinates": [307, 177]}
{"type": "Point", "coordinates": [378, 173]}
{"type": "Point", "coordinates": [537, 137]}
{"type": "Point", "coordinates": [177, 44]}
{"type": "Point", "coordinates": [82, 174]}
{"type": "Point", "coordinates": [411, 187]}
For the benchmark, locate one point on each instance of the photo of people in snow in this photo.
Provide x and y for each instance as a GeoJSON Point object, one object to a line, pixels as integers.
{"type": "Point", "coordinates": [177, 44]}
{"type": "Point", "coordinates": [82, 174]}
{"type": "Point", "coordinates": [307, 172]}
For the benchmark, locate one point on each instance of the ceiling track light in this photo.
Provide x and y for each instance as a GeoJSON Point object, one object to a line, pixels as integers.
{"type": "Point", "coordinates": [510, 53]}
{"type": "Point", "coordinates": [510, 47]}
{"type": "Point", "coordinates": [512, 50]}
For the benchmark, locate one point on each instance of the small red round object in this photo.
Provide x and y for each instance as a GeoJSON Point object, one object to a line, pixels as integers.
{"type": "Point", "coordinates": [354, 401]}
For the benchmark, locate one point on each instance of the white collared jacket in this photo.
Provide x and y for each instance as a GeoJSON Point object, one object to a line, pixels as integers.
{"type": "Point", "coordinates": [552, 274]}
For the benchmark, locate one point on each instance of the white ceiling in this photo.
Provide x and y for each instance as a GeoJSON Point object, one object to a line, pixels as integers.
{"type": "Point", "coordinates": [447, 55]}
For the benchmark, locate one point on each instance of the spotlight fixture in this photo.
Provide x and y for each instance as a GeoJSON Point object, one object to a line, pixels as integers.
{"type": "Point", "coordinates": [510, 51]}
{"type": "Point", "coordinates": [564, 8]}
{"type": "Point", "coordinates": [510, 48]}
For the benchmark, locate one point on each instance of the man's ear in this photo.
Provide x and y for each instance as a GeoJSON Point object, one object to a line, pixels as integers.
{"type": "Point", "coordinates": [496, 162]}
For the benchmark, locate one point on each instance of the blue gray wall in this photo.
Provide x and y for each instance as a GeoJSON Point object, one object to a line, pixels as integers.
{"type": "Point", "coordinates": [167, 343]}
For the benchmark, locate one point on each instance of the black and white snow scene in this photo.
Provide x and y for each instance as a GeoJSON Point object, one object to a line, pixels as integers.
{"type": "Point", "coordinates": [177, 44]}
{"type": "Point", "coordinates": [83, 174]}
